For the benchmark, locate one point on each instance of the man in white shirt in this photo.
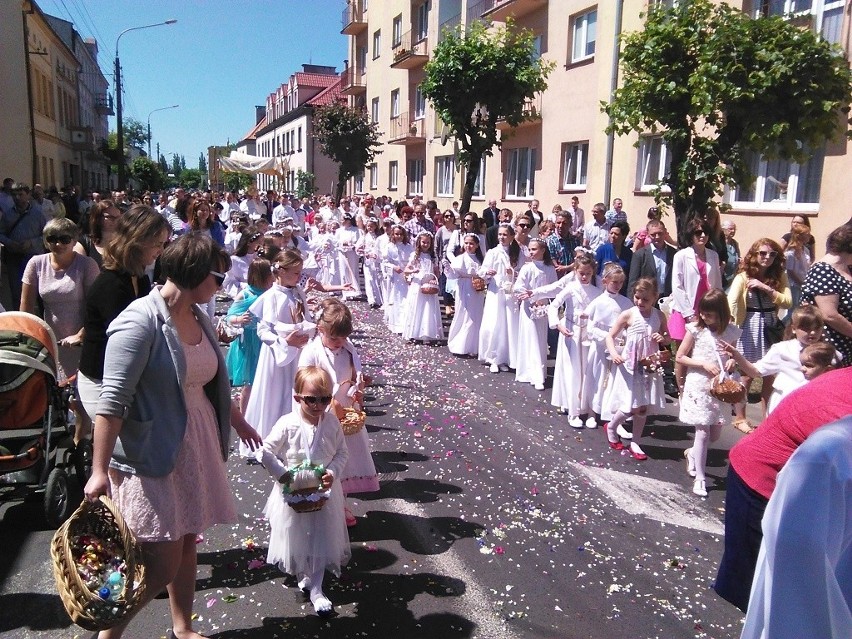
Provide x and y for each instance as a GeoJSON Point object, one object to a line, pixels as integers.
{"type": "Point", "coordinates": [283, 210]}
{"type": "Point", "coordinates": [578, 219]}
{"type": "Point", "coordinates": [596, 231]}
{"type": "Point", "coordinates": [617, 212]}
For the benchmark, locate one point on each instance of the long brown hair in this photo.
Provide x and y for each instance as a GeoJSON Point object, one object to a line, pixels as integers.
{"type": "Point", "coordinates": [141, 225]}
{"type": "Point", "coordinates": [751, 266]}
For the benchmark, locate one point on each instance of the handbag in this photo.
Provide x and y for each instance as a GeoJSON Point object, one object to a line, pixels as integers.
{"type": "Point", "coordinates": [725, 388]}
{"type": "Point", "coordinates": [772, 332]}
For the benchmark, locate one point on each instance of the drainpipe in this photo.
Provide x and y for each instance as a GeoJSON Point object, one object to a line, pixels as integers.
{"type": "Point", "coordinates": [30, 94]}
{"type": "Point", "coordinates": [610, 139]}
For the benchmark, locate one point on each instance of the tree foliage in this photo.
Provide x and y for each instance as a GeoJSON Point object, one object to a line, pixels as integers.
{"type": "Point", "coordinates": [148, 174]}
{"type": "Point", "coordinates": [720, 86]}
{"type": "Point", "coordinates": [305, 184]}
{"type": "Point", "coordinates": [477, 78]}
{"type": "Point", "coordinates": [191, 178]}
{"type": "Point", "coordinates": [348, 138]}
{"type": "Point", "coordinates": [202, 163]}
{"type": "Point", "coordinates": [236, 181]}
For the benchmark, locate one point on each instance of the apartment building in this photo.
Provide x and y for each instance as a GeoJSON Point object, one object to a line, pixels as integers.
{"type": "Point", "coordinates": [285, 128]}
{"type": "Point", "coordinates": [55, 100]}
{"type": "Point", "coordinates": [563, 151]}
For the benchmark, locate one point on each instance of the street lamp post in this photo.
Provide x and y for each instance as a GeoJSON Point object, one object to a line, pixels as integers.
{"type": "Point", "coordinates": [119, 124]}
{"type": "Point", "coordinates": [174, 106]}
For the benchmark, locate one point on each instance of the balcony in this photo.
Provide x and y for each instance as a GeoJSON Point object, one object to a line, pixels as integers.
{"type": "Point", "coordinates": [449, 26]}
{"type": "Point", "coordinates": [410, 52]}
{"type": "Point", "coordinates": [103, 104]}
{"type": "Point", "coordinates": [531, 111]}
{"type": "Point", "coordinates": [353, 18]}
{"type": "Point", "coordinates": [477, 9]}
{"type": "Point", "coordinates": [405, 131]}
{"type": "Point", "coordinates": [353, 82]}
{"type": "Point", "coordinates": [503, 9]}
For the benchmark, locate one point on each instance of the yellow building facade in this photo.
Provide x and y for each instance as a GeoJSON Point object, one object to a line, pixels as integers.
{"type": "Point", "coordinates": [564, 151]}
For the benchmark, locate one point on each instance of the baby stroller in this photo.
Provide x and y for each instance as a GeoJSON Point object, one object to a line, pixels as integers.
{"type": "Point", "coordinates": [34, 429]}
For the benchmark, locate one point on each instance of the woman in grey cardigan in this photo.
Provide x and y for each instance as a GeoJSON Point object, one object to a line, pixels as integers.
{"type": "Point", "coordinates": [162, 430]}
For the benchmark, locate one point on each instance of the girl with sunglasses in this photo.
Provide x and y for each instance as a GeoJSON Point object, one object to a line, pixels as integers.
{"type": "Point", "coordinates": [756, 294]}
{"type": "Point", "coordinates": [306, 544]}
{"type": "Point", "coordinates": [332, 351]}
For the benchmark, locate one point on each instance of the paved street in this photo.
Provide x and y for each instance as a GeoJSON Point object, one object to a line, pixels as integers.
{"type": "Point", "coordinates": [495, 520]}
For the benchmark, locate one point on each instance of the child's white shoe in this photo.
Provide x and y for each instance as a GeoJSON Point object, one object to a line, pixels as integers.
{"type": "Point", "coordinates": [591, 422]}
{"type": "Point", "coordinates": [622, 432]}
{"type": "Point", "coordinates": [699, 488]}
{"type": "Point", "coordinates": [575, 422]}
{"type": "Point", "coordinates": [322, 605]}
{"type": "Point", "coordinates": [305, 584]}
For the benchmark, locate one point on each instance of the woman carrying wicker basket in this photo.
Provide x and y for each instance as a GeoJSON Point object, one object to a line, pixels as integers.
{"type": "Point", "coordinates": [332, 351]}
{"type": "Point", "coordinates": [306, 452]}
{"type": "Point", "coordinates": [163, 425]}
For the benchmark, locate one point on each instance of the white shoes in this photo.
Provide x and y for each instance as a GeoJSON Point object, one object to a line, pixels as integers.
{"type": "Point", "coordinates": [690, 462]}
{"type": "Point", "coordinates": [538, 387]}
{"type": "Point", "coordinates": [322, 606]}
{"type": "Point", "coordinates": [622, 432]}
{"type": "Point", "coordinates": [591, 422]}
{"type": "Point", "coordinates": [305, 584]}
{"type": "Point", "coordinates": [494, 368]}
{"type": "Point", "coordinates": [699, 488]}
{"type": "Point", "coordinates": [575, 422]}
{"type": "Point", "coordinates": [504, 368]}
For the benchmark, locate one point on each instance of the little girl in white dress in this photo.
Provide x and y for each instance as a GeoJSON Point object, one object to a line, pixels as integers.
{"type": "Point", "coordinates": [306, 544]}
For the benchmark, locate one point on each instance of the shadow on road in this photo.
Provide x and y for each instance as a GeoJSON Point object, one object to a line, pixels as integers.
{"type": "Point", "coordinates": [412, 490]}
{"type": "Point", "coordinates": [420, 535]}
{"type": "Point", "coordinates": [32, 610]}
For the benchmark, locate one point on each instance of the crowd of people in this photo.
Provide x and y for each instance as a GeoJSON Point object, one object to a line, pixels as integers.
{"type": "Point", "coordinates": [628, 317]}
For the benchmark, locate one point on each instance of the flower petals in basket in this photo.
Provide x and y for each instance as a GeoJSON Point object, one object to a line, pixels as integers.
{"type": "Point", "coordinates": [726, 389]}
{"type": "Point", "coordinates": [98, 566]}
{"type": "Point", "coordinates": [302, 487]}
{"type": "Point", "coordinates": [478, 283]}
{"type": "Point", "coordinates": [653, 364]}
{"type": "Point", "coordinates": [538, 311]}
{"type": "Point", "coordinates": [429, 284]}
{"type": "Point", "coordinates": [351, 419]}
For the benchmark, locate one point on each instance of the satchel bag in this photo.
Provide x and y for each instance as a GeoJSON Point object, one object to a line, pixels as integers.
{"type": "Point", "coordinates": [773, 332]}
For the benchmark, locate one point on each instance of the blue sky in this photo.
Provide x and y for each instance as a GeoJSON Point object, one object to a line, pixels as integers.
{"type": "Point", "coordinates": [221, 59]}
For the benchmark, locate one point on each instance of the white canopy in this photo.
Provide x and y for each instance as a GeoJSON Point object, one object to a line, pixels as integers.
{"type": "Point", "coordinates": [244, 163]}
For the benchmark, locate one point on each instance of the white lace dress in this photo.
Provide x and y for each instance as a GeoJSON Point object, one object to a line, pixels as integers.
{"type": "Point", "coordinates": [196, 494]}
{"type": "Point", "coordinates": [697, 406]}
{"type": "Point", "coordinates": [632, 387]}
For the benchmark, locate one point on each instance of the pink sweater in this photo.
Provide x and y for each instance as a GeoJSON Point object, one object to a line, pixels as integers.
{"type": "Point", "coordinates": [759, 457]}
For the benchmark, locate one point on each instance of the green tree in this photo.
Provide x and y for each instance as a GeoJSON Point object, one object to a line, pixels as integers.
{"type": "Point", "coordinates": [164, 164]}
{"type": "Point", "coordinates": [478, 78]}
{"type": "Point", "coordinates": [348, 138]}
{"type": "Point", "coordinates": [305, 184]}
{"type": "Point", "coordinates": [202, 163]}
{"type": "Point", "coordinates": [720, 87]}
{"type": "Point", "coordinates": [236, 181]}
{"type": "Point", "coordinates": [191, 178]}
{"type": "Point", "coordinates": [148, 174]}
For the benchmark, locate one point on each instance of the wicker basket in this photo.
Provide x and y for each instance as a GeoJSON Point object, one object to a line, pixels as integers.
{"type": "Point", "coordinates": [352, 420]}
{"type": "Point", "coordinates": [478, 283]}
{"type": "Point", "coordinates": [86, 608]}
{"type": "Point", "coordinates": [727, 390]}
{"type": "Point", "coordinates": [429, 284]}
{"type": "Point", "coordinates": [306, 501]}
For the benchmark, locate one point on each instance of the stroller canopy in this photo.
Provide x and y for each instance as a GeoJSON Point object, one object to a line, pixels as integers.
{"type": "Point", "coordinates": [27, 344]}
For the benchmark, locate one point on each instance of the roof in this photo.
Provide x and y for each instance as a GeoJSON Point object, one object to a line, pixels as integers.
{"type": "Point", "coordinates": [329, 95]}
{"type": "Point", "coordinates": [251, 135]}
{"type": "Point", "coordinates": [315, 79]}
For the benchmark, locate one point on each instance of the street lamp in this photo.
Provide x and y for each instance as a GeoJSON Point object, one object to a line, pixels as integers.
{"type": "Point", "coordinates": [119, 124]}
{"type": "Point", "coordinates": [174, 106]}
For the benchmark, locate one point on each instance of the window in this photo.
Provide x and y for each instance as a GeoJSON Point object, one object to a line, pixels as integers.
{"type": "Point", "coordinates": [397, 32]}
{"type": "Point", "coordinates": [537, 44]}
{"type": "Point", "coordinates": [416, 170]}
{"type": "Point", "coordinates": [780, 184]}
{"type": "Point", "coordinates": [359, 182]}
{"type": "Point", "coordinates": [377, 44]}
{"type": "Point", "coordinates": [395, 103]}
{"type": "Point", "coordinates": [445, 173]}
{"type": "Point", "coordinates": [374, 110]}
{"type": "Point", "coordinates": [654, 163]}
{"type": "Point", "coordinates": [374, 176]}
{"type": "Point", "coordinates": [299, 140]}
{"type": "Point", "coordinates": [393, 175]}
{"type": "Point", "coordinates": [361, 59]}
{"type": "Point", "coordinates": [419, 104]}
{"type": "Point", "coordinates": [584, 34]}
{"type": "Point", "coordinates": [479, 186]}
{"type": "Point", "coordinates": [520, 172]}
{"type": "Point", "coordinates": [421, 22]}
{"type": "Point", "coordinates": [575, 165]}
{"type": "Point", "coordinates": [826, 15]}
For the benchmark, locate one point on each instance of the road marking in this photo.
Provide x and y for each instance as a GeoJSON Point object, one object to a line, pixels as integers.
{"type": "Point", "coordinates": [478, 607]}
{"type": "Point", "coordinates": [658, 500]}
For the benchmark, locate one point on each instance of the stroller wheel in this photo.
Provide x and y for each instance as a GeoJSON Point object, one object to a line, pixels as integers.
{"type": "Point", "coordinates": [82, 460]}
{"type": "Point", "coordinates": [57, 498]}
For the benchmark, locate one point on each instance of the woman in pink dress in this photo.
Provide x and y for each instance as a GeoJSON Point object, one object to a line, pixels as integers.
{"type": "Point", "coordinates": [163, 425]}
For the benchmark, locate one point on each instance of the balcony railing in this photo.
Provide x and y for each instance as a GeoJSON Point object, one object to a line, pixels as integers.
{"type": "Point", "coordinates": [448, 26]}
{"type": "Point", "coordinates": [353, 82]}
{"type": "Point", "coordinates": [103, 104]}
{"type": "Point", "coordinates": [410, 52]}
{"type": "Point", "coordinates": [503, 9]}
{"type": "Point", "coordinates": [353, 18]}
{"type": "Point", "coordinates": [404, 130]}
{"type": "Point", "coordinates": [476, 9]}
{"type": "Point", "coordinates": [531, 111]}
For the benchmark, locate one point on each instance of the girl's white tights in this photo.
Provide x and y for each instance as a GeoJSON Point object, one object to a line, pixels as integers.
{"type": "Point", "coordinates": [639, 420]}
{"type": "Point", "coordinates": [704, 436]}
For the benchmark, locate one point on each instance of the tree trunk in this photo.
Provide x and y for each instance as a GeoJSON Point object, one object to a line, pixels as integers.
{"type": "Point", "coordinates": [341, 184]}
{"type": "Point", "coordinates": [470, 181]}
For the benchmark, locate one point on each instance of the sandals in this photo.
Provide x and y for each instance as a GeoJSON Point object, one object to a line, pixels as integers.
{"type": "Point", "coordinates": [744, 426]}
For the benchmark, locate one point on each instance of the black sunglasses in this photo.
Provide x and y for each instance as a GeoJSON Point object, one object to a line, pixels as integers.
{"type": "Point", "coordinates": [219, 277]}
{"type": "Point", "coordinates": [311, 399]}
{"type": "Point", "coordinates": [523, 226]}
{"type": "Point", "coordinates": [58, 239]}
